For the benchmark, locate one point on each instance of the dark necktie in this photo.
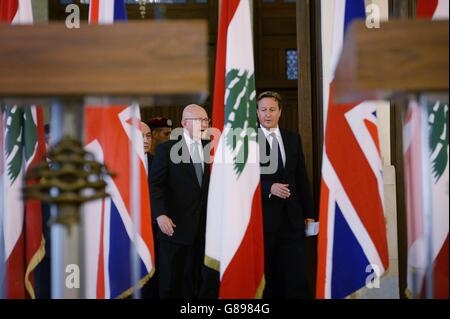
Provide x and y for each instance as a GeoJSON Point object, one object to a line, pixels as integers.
{"type": "Point", "coordinates": [197, 161]}
{"type": "Point", "coordinates": [276, 146]}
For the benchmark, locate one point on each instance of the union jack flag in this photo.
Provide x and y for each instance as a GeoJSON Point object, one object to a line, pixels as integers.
{"type": "Point", "coordinates": [109, 226]}
{"type": "Point", "coordinates": [352, 242]}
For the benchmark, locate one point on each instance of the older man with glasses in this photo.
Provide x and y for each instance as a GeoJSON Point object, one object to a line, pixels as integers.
{"type": "Point", "coordinates": [179, 193]}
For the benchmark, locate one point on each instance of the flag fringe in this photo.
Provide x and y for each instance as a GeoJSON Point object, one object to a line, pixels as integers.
{"type": "Point", "coordinates": [141, 283]}
{"type": "Point", "coordinates": [34, 261]}
{"type": "Point", "coordinates": [409, 293]}
{"type": "Point", "coordinates": [260, 290]}
{"type": "Point", "coordinates": [212, 263]}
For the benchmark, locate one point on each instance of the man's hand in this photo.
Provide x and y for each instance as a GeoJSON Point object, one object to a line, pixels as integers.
{"type": "Point", "coordinates": [280, 190]}
{"type": "Point", "coordinates": [165, 224]}
{"type": "Point", "coordinates": [308, 220]}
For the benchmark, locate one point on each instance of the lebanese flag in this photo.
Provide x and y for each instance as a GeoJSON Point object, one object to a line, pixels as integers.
{"type": "Point", "coordinates": [16, 11]}
{"type": "Point", "coordinates": [432, 9]}
{"type": "Point", "coordinates": [234, 233]}
{"type": "Point", "coordinates": [24, 244]}
{"type": "Point", "coordinates": [434, 129]}
{"type": "Point", "coordinates": [416, 134]}
{"type": "Point", "coordinates": [24, 147]}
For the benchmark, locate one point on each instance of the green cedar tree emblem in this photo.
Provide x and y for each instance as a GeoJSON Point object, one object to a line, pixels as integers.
{"type": "Point", "coordinates": [21, 139]}
{"type": "Point", "coordinates": [240, 115]}
{"type": "Point", "coordinates": [13, 142]}
{"type": "Point", "coordinates": [438, 121]}
{"type": "Point", "coordinates": [30, 133]}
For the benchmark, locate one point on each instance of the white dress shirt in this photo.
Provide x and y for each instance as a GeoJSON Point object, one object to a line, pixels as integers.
{"type": "Point", "coordinates": [190, 142]}
{"type": "Point", "coordinates": [269, 138]}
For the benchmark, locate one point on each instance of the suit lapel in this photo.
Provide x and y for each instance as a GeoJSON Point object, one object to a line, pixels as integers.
{"type": "Point", "coordinates": [206, 157]}
{"type": "Point", "coordinates": [286, 144]}
{"type": "Point", "coordinates": [267, 149]}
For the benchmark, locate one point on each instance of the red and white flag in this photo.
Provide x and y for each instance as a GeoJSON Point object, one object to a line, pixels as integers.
{"type": "Point", "coordinates": [427, 128]}
{"type": "Point", "coordinates": [16, 11]}
{"type": "Point", "coordinates": [24, 147]}
{"type": "Point", "coordinates": [234, 234]}
{"type": "Point", "coordinates": [432, 9]}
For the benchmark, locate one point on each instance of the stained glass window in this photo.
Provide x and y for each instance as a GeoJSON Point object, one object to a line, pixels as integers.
{"type": "Point", "coordinates": [291, 64]}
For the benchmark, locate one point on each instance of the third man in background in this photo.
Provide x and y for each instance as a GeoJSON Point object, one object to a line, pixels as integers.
{"type": "Point", "coordinates": [161, 128]}
{"type": "Point", "coordinates": [147, 137]}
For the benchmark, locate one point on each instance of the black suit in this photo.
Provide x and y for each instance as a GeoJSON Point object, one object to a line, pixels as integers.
{"type": "Point", "coordinates": [150, 158]}
{"type": "Point", "coordinates": [283, 221]}
{"type": "Point", "coordinates": [175, 192]}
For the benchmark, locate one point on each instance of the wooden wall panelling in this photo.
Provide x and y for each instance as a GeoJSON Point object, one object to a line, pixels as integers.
{"type": "Point", "coordinates": [316, 96]}
{"type": "Point", "coordinates": [274, 32]}
{"type": "Point", "coordinates": [305, 118]}
{"type": "Point", "coordinates": [304, 82]}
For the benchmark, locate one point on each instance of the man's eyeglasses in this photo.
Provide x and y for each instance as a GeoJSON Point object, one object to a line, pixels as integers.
{"type": "Point", "coordinates": [204, 121]}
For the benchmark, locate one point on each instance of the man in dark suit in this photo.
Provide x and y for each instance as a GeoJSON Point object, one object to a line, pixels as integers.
{"type": "Point", "coordinates": [287, 203]}
{"type": "Point", "coordinates": [179, 191]}
{"type": "Point", "coordinates": [150, 288]}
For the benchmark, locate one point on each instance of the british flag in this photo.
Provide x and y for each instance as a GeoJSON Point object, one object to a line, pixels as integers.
{"type": "Point", "coordinates": [111, 233]}
{"type": "Point", "coordinates": [352, 244]}
{"type": "Point", "coordinates": [110, 228]}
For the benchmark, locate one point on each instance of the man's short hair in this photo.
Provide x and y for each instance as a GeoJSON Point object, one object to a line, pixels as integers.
{"type": "Point", "coordinates": [271, 94]}
{"type": "Point", "coordinates": [157, 122]}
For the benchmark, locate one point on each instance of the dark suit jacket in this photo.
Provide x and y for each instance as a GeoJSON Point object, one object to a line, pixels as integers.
{"type": "Point", "coordinates": [299, 205]}
{"type": "Point", "coordinates": [149, 165]}
{"type": "Point", "coordinates": [175, 192]}
{"type": "Point", "coordinates": [150, 158]}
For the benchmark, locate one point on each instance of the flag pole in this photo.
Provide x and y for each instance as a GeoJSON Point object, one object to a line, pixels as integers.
{"type": "Point", "coordinates": [66, 241]}
{"type": "Point", "coordinates": [57, 231]}
{"type": "Point", "coordinates": [135, 199]}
